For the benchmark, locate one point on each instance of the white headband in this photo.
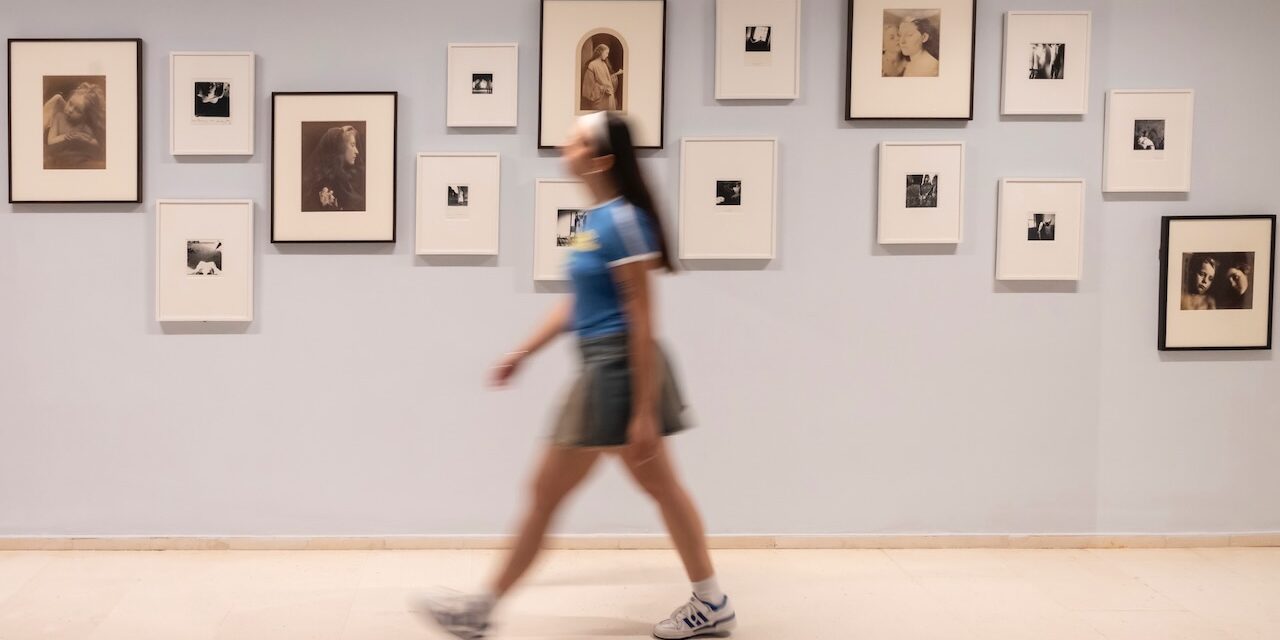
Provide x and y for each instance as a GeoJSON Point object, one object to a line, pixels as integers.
{"type": "Point", "coordinates": [596, 125]}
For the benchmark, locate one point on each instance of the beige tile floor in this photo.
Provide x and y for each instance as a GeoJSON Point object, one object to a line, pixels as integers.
{"type": "Point", "coordinates": [967, 594]}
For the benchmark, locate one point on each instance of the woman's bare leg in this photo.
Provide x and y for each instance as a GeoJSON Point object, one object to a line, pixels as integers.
{"type": "Point", "coordinates": [658, 479]}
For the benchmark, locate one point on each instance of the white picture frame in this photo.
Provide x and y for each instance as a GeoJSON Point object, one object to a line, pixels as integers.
{"type": "Point", "coordinates": [1160, 163]}
{"type": "Point", "coordinates": [758, 49]}
{"type": "Point", "coordinates": [1047, 56]}
{"type": "Point", "coordinates": [553, 199]}
{"type": "Point", "coordinates": [196, 287]}
{"type": "Point", "coordinates": [212, 103]}
{"type": "Point", "coordinates": [717, 221]}
{"type": "Point", "coordinates": [921, 194]}
{"type": "Point", "coordinates": [1040, 229]}
{"type": "Point", "coordinates": [483, 85]}
{"type": "Point", "coordinates": [459, 203]}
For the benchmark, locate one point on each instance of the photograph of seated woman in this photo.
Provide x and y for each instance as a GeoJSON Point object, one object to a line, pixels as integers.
{"type": "Point", "coordinates": [602, 75]}
{"type": "Point", "coordinates": [918, 42]}
{"type": "Point", "coordinates": [75, 122]}
{"type": "Point", "coordinates": [333, 169]}
{"type": "Point", "coordinates": [1217, 281]}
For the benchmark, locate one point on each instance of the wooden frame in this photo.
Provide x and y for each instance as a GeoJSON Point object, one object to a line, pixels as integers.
{"type": "Point", "coordinates": [1004, 234]}
{"type": "Point", "coordinates": [739, 230]}
{"type": "Point", "coordinates": [251, 111]}
{"type": "Point", "coordinates": [461, 231]}
{"type": "Point", "coordinates": [721, 93]}
{"type": "Point", "coordinates": [1073, 59]}
{"type": "Point", "coordinates": [247, 253]}
{"type": "Point", "coordinates": [455, 119]}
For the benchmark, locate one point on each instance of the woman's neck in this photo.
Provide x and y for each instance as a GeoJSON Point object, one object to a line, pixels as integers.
{"type": "Point", "coordinates": [601, 187]}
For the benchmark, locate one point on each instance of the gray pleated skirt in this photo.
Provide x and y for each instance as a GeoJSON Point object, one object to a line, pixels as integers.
{"type": "Point", "coordinates": [597, 411]}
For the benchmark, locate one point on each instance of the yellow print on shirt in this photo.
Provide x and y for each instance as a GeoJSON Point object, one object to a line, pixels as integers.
{"type": "Point", "coordinates": [584, 241]}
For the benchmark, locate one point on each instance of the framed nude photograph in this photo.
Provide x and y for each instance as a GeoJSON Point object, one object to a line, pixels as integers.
{"type": "Point", "coordinates": [483, 85]}
{"type": "Point", "coordinates": [211, 103]}
{"type": "Point", "coordinates": [602, 55]}
{"type": "Point", "coordinates": [1040, 229]}
{"type": "Point", "coordinates": [333, 167]}
{"type": "Point", "coordinates": [1148, 141]}
{"type": "Point", "coordinates": [560, 210]}
{"type": "Point", "coordinates": [1216, 282]}
{"type": "Point", "coordinates": [459, 202]}
{"type": "Point", "coordinates": [757, 49]}
{"type": "Point", "coordinates": [75, 120]}
{"type": "Point", "coordinates": [728, 198]}
{"type": "Point", "coordinates": [921, 193]}
{"type": "Point", "coordinates": [910, 60]}
{"type": "Point", "coordinates": [1046, 63]}
{"type": "Point", "coordinates": [204, 261]}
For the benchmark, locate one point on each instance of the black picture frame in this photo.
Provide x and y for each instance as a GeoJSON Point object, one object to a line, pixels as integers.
{"type": "Point", "coordinates": [138, 193]}
{"type": "Point", "coordinates": [395, 164]}
{"type": "Point", "coordinates": [1166, 262]}
{"type": "Point", "coordinates": [848, 75]}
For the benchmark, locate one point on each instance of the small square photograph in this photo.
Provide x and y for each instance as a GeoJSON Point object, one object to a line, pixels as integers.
{"type": "Point", "coordinates": [458, 195]}
{"type": "Point", "coordinates": [1214, 281]}
{"type": "Point", "coordinates": [333, 172]}
{"type": "Point", "coordinates": [482, 83]}
{"type": "Point", "coordinates": [204, 257]}
{"type": "Point", "coordinates": [728, 193]}
{"type": "Point", "coordinates": [758, 40]}
{"type": "Point", "coordinates": [1040, 226]}
{"type": "Point", "coordinates": [1148, 135]}
{"type": "Point", "coordinates": [75, 122]}
{"type": "Point", "coordinates": [911, 43]}
{"type": "Point", "coordinates": [1048, 61]}
{"type": "Point", "coordinates": [213, 101]}
{"type": "Point", "coordinates": [568, 224]}
{"type": "Point", "coordinates": [922, 191]}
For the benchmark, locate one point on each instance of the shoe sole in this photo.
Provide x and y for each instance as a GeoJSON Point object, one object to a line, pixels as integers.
{"type": "Point", "coordinates": [720, 629]}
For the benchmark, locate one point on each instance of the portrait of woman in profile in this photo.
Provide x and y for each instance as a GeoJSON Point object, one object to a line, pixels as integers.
{"type": "Point", "coordinates": [333, 177]}
{"type": "Point", "coordinates": [600, 82]}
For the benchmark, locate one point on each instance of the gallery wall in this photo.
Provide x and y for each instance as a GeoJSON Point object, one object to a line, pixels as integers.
{"type": "Point", "coordinates": [843, 388]}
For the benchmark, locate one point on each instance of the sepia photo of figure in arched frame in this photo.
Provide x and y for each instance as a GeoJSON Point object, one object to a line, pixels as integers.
{"type": "Point", "coordinates": [601, 68]}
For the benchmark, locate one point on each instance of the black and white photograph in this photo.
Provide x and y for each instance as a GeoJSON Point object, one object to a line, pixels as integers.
{"type": "Point", "coordinates": [1040, 226]}
{"type": "Point", "coordinates": [568, 224]}
{"type": "Point", "coordinates": [729, 193]}
{"type": "Point", "coordinates": [758, 39]}
{"type": "Point", "coordinates": [912, 45]}
{"type": "Point", "coordinates": [458, 195]}
{"type": "Point", "coordinates": [1213, 281]}
{"type": "Point", "coordinates": [204, 257]}
{"type": "Point", "coordinates": [601, 63]}
{"type": "Point", "coordinates": [213, 101]}
{"type": "Point", "coordinates": [333, 171]}
{"type": "Point", "coordinates": [1048, 60]}
{"type": "Point", "coordinates": [1148, 135]}
{"type": "Point", "coordinates": [481, 83]}
{"type": "Point", "coordinates": [75, 122]}
{"type": "Point", "coordinates": [922, 190]}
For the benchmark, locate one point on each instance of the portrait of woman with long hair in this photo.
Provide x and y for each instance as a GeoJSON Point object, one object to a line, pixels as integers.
{"type": "Point", "coordinates": [75, 125]}
{"type": "Point", "coordinates": [333, 172]}
{"type": "Point", "coordinates": [601, 71]}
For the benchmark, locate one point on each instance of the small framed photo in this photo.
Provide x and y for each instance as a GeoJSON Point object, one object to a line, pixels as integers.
{"type": "Point", "coordinates": [910, 61]}
{"type": "Point", "coordinates": [1216, 282]}
{"type": "Point", "coordinates": [560, 207]}
{"type": "Point", "coordinates": [1040, 229]}
{"type": "Point", "coordinates": [211, 103]}
{"type": "Point", "coordinates": [757, 49]}
{"type": "Point", "coordinates": [75, 120]}
{"type": "Point", "coordinates": [204, 261]}
{"type": "Point", "coordinates": [1148, 145]}
{"type": "Point", "coordinates": [728, 198]}
{"type": "Point", "coordinates": [602, 55]}
{"type": "Point", "coordinates": [459, 200]}
{"type": "Point", "coordinates": [333, 167]}
{"type": "Point", "coordinates": [1046, 63]}
{"type": "Point", "coordinates": [483, 85]}
{"type": "Point", "coordinates": [921, 193]}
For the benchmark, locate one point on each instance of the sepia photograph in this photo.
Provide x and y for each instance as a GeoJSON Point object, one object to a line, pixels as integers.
{"type": "Point", "coordinates": [458, 194]}
{"type": "Point", "coordinates": [204, 257]}
{"type": "Point", "coordinates": [213, 101]}
{"type": "Point", "coordinates": [1213, 281]}
{"type": "Point", "coordinates": [911, 43]}
{"type": "Point", "coordinates": [1048, 61]}
{"type": "Point", "coordinates": [333, 174]}
{"type": "Point", "coordinates": [601, 60]}
{"type": "Point", "coordinates": [482, 83]}
{"type": "Point", "coordinates": [1040, 226]}
{"type": "Point", "coordinates": [75, 122]}
{"type": "Point", "coordinates": [922, 191]}
{"type": "Point", "coordinates": [568, 224]}
{"type": "Point", "coordinates": [1148, 135]}
{"type": "Point", "coordinates": [758, 39]}
{"type": "Point", "coordinates": [729, 193]}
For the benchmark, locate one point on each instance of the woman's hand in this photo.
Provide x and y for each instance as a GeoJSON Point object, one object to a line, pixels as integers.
{"type": "Point", "coordinates": [506, 368]}
{"type": "Point", "coordinates": [642, 436]}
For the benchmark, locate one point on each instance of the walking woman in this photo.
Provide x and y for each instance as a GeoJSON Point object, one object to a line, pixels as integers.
{"type": "Point", "coordinates": [626, 399]}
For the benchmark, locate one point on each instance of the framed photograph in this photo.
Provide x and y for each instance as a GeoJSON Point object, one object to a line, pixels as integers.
{"type": "Point", "coordinates": [211, 103]}
{"type": "Point", "coordinates": [204, 260]}
{"type": "Point", "coordinates": [922, 68]}
{"type": "Point", "coordinates": [921, 193]}
{"type": "Point", "coordinates": [1148, 145]}
{"type": "Point", "coordinates": [483, 85]}
{"type": "Point", "coordinates": [602, 55]}
{"type": "Point", "coordinates": [75, 120]}
{"type": "Point", "coordinates": [1216, 274]}
{"type": "Point", "coordinates": [561, 207]}
{"type": "Point", "coordinates": [757, 49]}
{"type": "Point", "coordinates": [728, 198]}
{"type": "Point", "coordinates": [459, 200]}
{"type": "Point", "coordinates": [333, 167]}
{"type": "Point", "coordinates": [1040, 229]}
{"type": "Point", "coordinates": [1046, 63]}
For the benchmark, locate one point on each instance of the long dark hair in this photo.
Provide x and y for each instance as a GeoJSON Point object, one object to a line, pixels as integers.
{"type": "Point", "coordinates": [328, 159]}
{"type": "Point", "coordinates": [627, 176]}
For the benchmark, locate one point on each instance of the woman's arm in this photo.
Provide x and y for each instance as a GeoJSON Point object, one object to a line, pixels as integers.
{"type": "Point", "coordinates": [555, 323]}
{"type": "Point", "coordinates": [633, 284]}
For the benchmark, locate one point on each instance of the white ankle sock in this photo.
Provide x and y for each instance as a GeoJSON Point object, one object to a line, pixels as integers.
{"type": "Point", "coordinates": [709, 591]}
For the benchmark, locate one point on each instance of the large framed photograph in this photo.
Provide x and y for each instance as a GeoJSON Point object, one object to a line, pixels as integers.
{"type": "Point", "coordinates": [560, 209]}
{"type": "Point", "coordinates": [602, 55]}
{"type": "Point", "coordinates": [211, 103]}
{"type": "Point", "coordinates": [1148, 144]}
{"type": "Point", "coordinates": [1216, 275]}
{"type": "Point", "coordinates": [333, 167]}
{"type": "Point", "coordinates": [1046, 63]}
{"type": "Point", "coordinates": [484, 84]}
{"type": "Point", "coordinates": [921, 193]}
{"type": "Point", "coordinates": [1040, 230]}
{"type": "Point", "coordinates": [728, 198]}
{"type": "Point", "coordinates": [757, 49]}
{"type": "Point", "coordinates": [910, 59]}
{"type": "Point", "coordinates": [459, 200]}
{"type": "Point", "coordinates": [75, 120]}
{"type": "Point", "coordinates": [204, 261]}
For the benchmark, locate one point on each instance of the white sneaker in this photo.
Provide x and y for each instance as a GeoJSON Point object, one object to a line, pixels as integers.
{"type": "Point", "coordinates": [697, 618]}
{"type": "Point", "coordinates": [465, 616]}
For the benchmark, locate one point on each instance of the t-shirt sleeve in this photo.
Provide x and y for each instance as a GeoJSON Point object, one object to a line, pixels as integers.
{"type": "Point", "coordinates": [629, 237]}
